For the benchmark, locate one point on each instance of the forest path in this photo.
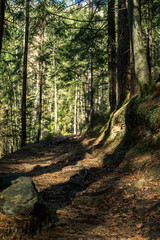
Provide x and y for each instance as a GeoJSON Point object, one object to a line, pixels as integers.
{"type": "Point", "coordinates": [91, 199]}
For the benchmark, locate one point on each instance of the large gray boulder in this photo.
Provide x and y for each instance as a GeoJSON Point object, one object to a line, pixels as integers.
{"type": "Point", "coordinates": [22, 200]}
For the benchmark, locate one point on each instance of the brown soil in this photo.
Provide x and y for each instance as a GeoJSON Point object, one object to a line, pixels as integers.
{"type": "Point", "coordinates": [93, 194]}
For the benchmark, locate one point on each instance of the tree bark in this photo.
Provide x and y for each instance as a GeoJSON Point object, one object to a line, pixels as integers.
{"type": "Point", "coordinates": [149, 52]}
{"type": "Point", "coordinates": [75, 111]}
{"type": "Point", "coordinates": [38, 79]}
{"type": "Point", "coordinates": [90, 71]}
{"type": "Point", "coordinates": [90, 89]}
{"type": "Point", "coordinates": [41, 88]}
{"type": "Point", "coordinates": [111, 54]}
{"type": "Point", "coordinates": [40, 107]}
{"type": "Point", "coordinates": [134, 88]}
{"type": "Point", "coordinates": [123, 52]}
{"type": "Point", "coordinates": [2, 11]}
{"type": "Point", "coordinates": [84, 97]}
{"type": "Point", "coordinates": [81, 104]}
{"type": "Point", "coordinates": [25, 57]}
{"type": "Point", "coordinates": [56, 108]}
{"type": "Point", "coordinates": [143, 76]}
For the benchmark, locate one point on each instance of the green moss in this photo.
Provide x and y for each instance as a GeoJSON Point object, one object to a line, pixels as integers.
{"type": "Point", "coordinates": [144, 112]}
{"type": "Point", "coordinates": [143, 163]}
{"type": "Point", "coordinates": [153, 172]}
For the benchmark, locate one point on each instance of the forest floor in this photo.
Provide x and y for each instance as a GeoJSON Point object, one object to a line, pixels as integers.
{"type": "Point", "coordinates": [94, 195]}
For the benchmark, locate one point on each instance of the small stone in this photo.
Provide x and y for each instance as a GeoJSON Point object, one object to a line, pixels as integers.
{"type": "Point", "coordinates": [95, 162]}
{"type": "Point", "coordinates": [88, 156]}
{"type": "Point", "coordinates": [141, 183]}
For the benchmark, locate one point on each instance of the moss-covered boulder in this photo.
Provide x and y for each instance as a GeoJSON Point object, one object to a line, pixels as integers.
{"type": "Point", "coordinates": [23, 201]}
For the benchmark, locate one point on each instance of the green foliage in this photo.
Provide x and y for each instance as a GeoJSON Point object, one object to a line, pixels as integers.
{"type": "Point", "coordinates": [61, 60]}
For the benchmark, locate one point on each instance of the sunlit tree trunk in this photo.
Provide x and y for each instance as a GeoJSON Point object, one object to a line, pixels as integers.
{"type": "Point", "coordinates": [90, 89]}
{"type": "Point", "coordinates": [123, 52]}
{"type": "Point", "coordinates": [78, 109]}
{"type": "Point", "coordinates": [41, 71]}
{"type": "Point", "coordinates": [40, 105]}
{"type": "Point", "coordinates": [37, 96]}
{"type": "Point", "coordinates": [84, 97]}
{"type": "Point", "coordinates": [16, 118]}
{"type": "Point", "coordinates": [2, 10]}
{"type": "Point", "coordinates": [81, 104]}
{"type": "Point", "coordinates": [111, 54]}
{"type": "Point", "coordinates": [11, 121]}
{"type": "Point", "coordinates": [38, 79]}
{"type": "Point", "coordinates": [149, 52]}
{"type": "Point", "coordinates": [90, 70]}
{"type": "Point", "coordinates": [56, 108]}
{"type": "Point", "coordinates": [97, 98]}
{"type": "Point", "coordinates": [6, 139]}
{"type": "Point", "coordinates": [143, 76]}
{"type": "Point", "coordinates": [25, 57]}
{"type": "Point", "coordinates": [75, 111]}
{"type": "Point", "coordinates": [134, 88]}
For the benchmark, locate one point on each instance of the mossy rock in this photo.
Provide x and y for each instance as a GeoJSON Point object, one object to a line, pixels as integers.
{"type": "Point", "coordinates": [21, 200]}
{"type": "Point", "coordinates": [118, 123]}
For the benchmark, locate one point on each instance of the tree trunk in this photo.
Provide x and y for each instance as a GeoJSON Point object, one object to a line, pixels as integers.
{"type": "Point", "coordinates": [56, 108]}
{"type": "Point", "coordinates": [11, 120]}
{"type": "Point", "coordinates": [75, 111]}
{"type": "Point", "coordinates": [84, 97]}
{"type": "Point", "coordinates": [78, 109]}
{"type": "Point", "coordinates": [40, 111]}
{"type": "Point", "coordinates": [134, 88]}
{"type": "Point", "coordinates": [16, 119]}
{"type": "Point", "coordinates": [38, 79]}
{"type": "Point", "coordinates": [41, 68]}
{"type": "Point", "coordinates": [90, 70]}
{"type": "Point", "coordinates": [2, 10]}
{"type": "Point", "coordinates": [143, 76]}
{"type": "Point", "coordinates": [123, 52]}
{"type": "Point", "coordinates": [149, 52]}
{"type": "Point", "coordinates": [25, 56]}
{"type": "Point", "coordinates": [90, 89]}
{"type": "Point", "coordinates": [81, 104]}
{"type": "Point", "coordinates": [111, 54]}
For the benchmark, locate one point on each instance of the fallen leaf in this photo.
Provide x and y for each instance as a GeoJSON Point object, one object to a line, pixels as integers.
{"type": "Point", "coordinates": [139, 225]}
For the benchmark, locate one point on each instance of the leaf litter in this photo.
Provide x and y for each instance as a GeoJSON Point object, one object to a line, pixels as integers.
{"type": "Point", "coordinates": [92, 201]}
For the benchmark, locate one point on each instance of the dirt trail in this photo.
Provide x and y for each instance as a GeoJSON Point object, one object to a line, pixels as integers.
{"type": "Point", "coordinates": [92, 199]}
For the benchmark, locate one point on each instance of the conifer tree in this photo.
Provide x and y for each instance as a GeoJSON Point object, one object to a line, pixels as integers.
{"type": "Point", "coordinates": [143, 76]}
{"type": "Point", "coordinates": [25, 58]}
{"type": "Point", "coordinates": [123, 52]}
{"type": "Point", "coordinates": [2, 9]}
{"type": "Point", "coordinates": [150, 40]}
{"type": "Point", "coordinates": [111, 54]}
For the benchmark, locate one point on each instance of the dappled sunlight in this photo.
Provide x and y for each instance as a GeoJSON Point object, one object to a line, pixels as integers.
{"type": "Point", "coordinates": [97, 191]}
{"type": "Point", "coordinates": [79, 120]}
